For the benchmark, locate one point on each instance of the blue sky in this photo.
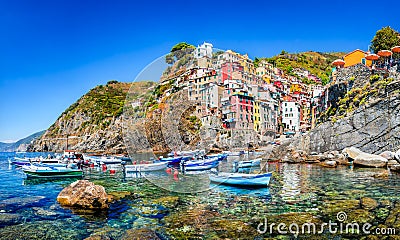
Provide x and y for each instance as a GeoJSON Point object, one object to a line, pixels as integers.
{"type": "Point", "coordinates": [53, 52]}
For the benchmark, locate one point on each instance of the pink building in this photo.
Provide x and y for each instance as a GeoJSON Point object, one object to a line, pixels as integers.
{"type": "Point", "coordinates": [228, 69]}
{"type": "Point", "coordinates": [237, 111]}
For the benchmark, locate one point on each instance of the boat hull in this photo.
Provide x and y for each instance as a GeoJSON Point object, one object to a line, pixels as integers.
{"type": "Point", "coordinates": [243, 180]}
{"type": "Point", "coordinates": [53, 174]}
{"type": "Point", "coordinates": [145, 167]}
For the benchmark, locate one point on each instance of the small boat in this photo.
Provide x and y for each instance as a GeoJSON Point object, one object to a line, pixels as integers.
{"type": "Point", "coordinates": [220, 156]}
{"type": "Point", "coordinates": [199, 165]}
{"type": "Point", "coordinates": [229, 153]}
{"type": "Point", "coordinates": [175, 160]}
{"type": "Point", "coordinates": [46, 171]}
{"type": "Point", "coordinates": [109, 160]}
{"type": "Point", "coordinates": [149, 167]}
{"type": "Point", "coordinates": [242, 179]}
{"type": "Point", "coordinates": [28, 161]}
{"type": "Point", "coordinates": [249, 163]}
{"type": "Point", "coordinates": [20, 161]}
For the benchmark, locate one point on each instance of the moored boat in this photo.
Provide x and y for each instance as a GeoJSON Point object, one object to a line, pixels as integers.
{"type": "Point", "coordinates": [199, 165]}
{"type": "Point", "coordinates": [242, 179]}
{"type": "Point", "coordinates": [249, 163]}
{"type": "Point", "coordinates": [46, 171]}
{"type": "Point", "coordinates": [148, 167]}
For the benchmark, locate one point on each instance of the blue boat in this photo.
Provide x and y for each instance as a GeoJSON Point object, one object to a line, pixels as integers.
{"type": "Point", "coordinates": [221, 156]}
{"type": "Point", "coordinates": [199, 165]}
{"type": "Point", "coordinates": [242, 179]}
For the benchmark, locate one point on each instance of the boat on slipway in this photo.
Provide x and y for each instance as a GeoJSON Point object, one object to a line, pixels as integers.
{"type": "Point", "coordinates": [242, 179]}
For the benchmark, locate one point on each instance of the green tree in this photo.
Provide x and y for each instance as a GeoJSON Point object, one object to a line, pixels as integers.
{"type": "Point", "coordinates": [170, 58]}
{"type": "Point", "coordinates": [181, 49]}
{"type": "Point", "coordinates": [385, 39]}
{"type": "Point", "coordinates": [181, 46]}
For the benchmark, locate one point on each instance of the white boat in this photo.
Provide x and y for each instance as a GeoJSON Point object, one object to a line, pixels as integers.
{"type": "Point", "coordinates": [44, 171]}
{"type": "Point", "coordinates": [200, 165]}
{"type": "Point", "coordinates": [231, 154]}
{"type": "Point", "coordinates": [149, 167]}
{"type": "Point", "coordinates": [242, 179]}
{"type": "Point", "coordinates": [109, 160]}
{"type": "Point", "coordinates": [249, 163]}
{"type": "Point", "coordinates": [102, 160]}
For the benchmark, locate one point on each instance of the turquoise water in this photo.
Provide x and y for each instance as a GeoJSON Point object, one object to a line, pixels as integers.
{"type": "Point", "coordinates": [29, 207]}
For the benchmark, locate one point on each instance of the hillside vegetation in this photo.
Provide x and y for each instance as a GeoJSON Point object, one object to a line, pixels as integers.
{"type": "Point", "coordinates": [317, 63]}
{"type": "Point", "coordinates": [95, 119]}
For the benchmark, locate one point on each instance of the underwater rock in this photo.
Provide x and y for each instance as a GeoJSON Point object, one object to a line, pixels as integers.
{"type": "Point", "coordinates": [83, 194]}
{"type": "Point", "coordinates": [382, 174]}
{"type": "Point", "coordinates": [393, 220]}
{"type": "Point", "coordinates": [44, 212]}
{"type": "Point", "coordinates": [118, 195]}
{"type": "Point", "coordinates": [335, 206]}
{"type": "Point", "coordinates": [98, 237]}
{"type": "Point", "coordinates": [168, 201]}
{"type": "Point", "coordinates": [140, 234]}
{"type": "Point", "coordinates": [202, 221]}
{"type": "Point", "coordinates": [368, 203]}
{"type": "Point", "coordinates": [19, 202]}
{"type": "Point", "coordinates": [359, 216]}
{"type": "Point", "coordinates": [9, 218]}
{"type": "Point", "coordinates": [41, 230]}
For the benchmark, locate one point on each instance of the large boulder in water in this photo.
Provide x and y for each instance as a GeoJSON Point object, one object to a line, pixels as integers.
{"type": "Point", "coordinates": [83, 194]}
{"type": "Point", "coordinates": [351, 152]}
{"type": "Point", "coordinates": [370, 160]}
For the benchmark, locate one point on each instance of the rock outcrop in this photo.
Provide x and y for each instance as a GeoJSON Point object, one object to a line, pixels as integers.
{"type": "Point", "coordinates": [83, 194]}
{"type": "Point", "coordinates": [370, 160]}
{"type": "Point", "coordinates": [373, 128]}
{"type": "Point", "coordinates": [94, 122]}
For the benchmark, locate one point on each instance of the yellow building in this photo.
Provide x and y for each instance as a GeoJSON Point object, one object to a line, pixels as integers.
{"type": "Point", "coordinates": [355, 57]}
{"type": "Point", "coordinates": [295, 87]}
{"type": "Point", "coordinates": [256, 116]}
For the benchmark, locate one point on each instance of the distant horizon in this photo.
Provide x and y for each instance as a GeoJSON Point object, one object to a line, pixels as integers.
{"type": "Point", "coordinates": [56, 51]}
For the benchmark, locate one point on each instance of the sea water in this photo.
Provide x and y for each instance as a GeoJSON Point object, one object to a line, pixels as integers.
{"type": "Point", "coordinates": [28, 208]}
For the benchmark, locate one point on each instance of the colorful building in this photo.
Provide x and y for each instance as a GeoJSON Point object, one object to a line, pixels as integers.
{"type": "Point", "coordinates": [355, 57]}
{"type": "Point", "coordinates": [237, 111]}
{"type": "Point", "coordinates": [256, 115]}
{"type": "Point", "coordinates": [291, 116]}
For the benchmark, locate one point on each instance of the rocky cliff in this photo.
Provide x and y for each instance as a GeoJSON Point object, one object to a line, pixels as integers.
{"type": "Point", "coordinates": [94, 122]}
{"type": "Point", "coordinates": [365, 117]}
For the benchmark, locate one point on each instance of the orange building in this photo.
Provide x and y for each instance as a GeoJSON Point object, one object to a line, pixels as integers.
{"type": "Point", "coordinates": [355, 57]}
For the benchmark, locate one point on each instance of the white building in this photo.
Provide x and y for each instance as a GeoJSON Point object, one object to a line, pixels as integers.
{"type": "Point", "coordinates": [211, 95]}
{"type": "Point", "coordinates": [203, 50]}
{"type": "Point", "coordinates": [291, 116]}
